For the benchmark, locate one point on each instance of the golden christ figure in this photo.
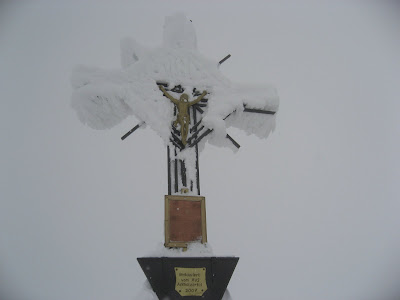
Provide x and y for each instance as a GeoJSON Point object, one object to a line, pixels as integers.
{"type": "Point", "coordinates": [183, 117]}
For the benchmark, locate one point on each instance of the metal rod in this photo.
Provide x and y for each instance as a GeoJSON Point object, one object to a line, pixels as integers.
{"type": "Point", "coordinates": [197, 170]}
{"type": "Point", "coordinates": [233, 141]}
{"type": "Point", "coordinates": [195, 125]}
{"type": "Point", "coordinates": [260, 111]}
{"type": "Point", "coordinates": [201, 137]}
{"type": "Point", "coordinates": [178, 141]}
{"type": "Point", "coordinates": [198, 108]}
{"type": "Point", "coordinates": [224, 59]}
{"type": "Point", "coordinates": [178, 89]}
{"type": "Point", "coordinates": [176, 131]}
{"type": "Point", "coordinates": [164, 84]}
{"type": "Point", "coordinates": [197, 158]}
{"type": "Point", "coordinates": [229, 114]}
{"type": "Point", "coordinates": [195, 134]}
{"type": "Point", "coordinates": [175, 144]}
{"type": "Point", "coordinates": [176, 172]}
{"type": "Point", "coordinates": [169, 171]}
{"type": "Point", "coordinates": [131, 131]}
{"type": "Point", "coordinates": [183, 173]}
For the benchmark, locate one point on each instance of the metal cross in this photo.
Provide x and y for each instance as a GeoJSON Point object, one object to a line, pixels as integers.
{"type": "Point", "coordinates": [184, 178]}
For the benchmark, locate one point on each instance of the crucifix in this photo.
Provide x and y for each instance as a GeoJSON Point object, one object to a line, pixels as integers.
{"type": "Point", "coordinates": [187, 101]}
{"type": "Point", "coordinates": [183, 116]}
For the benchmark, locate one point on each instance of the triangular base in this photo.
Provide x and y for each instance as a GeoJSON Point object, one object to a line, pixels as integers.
{"type": "Point", "coordinates": [160, 272]}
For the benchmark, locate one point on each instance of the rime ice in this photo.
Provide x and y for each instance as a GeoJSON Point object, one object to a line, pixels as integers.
{"type": "Point", "coordinates": [103, 98]}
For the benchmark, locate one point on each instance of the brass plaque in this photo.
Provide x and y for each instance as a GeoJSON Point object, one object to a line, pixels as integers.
{"type": "Point", "coordinates": [190, 281]}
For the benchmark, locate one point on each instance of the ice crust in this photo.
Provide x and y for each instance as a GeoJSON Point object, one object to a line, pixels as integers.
{"type": "Point", "coordinates": [104, 98]}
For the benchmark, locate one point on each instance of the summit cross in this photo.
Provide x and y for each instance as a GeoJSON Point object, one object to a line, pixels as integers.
{"type": "Point", "coordinates": [187, 101]}
{"type": "Point", "coordinates": [203, 102]}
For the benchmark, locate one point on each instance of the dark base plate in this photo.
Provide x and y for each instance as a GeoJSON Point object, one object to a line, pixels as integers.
{"type": "Point", "coordinates": [160, 272]}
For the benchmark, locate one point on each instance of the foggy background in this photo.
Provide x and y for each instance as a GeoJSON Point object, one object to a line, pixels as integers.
{"type": "Point", "coordinates": [312, 212]}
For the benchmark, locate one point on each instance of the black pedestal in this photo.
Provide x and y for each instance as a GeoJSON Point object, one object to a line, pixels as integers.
{"type": "Point", "coordinates": [188, 278]}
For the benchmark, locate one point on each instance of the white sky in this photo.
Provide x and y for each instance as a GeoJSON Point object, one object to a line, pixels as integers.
{"type": "Point", "coordinates": [312, 212]}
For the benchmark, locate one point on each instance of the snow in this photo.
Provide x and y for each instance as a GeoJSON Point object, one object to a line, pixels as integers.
{"type": "Point", "coordinates": [322, 199]}
{"type": "Point", "coordinates": [146, 293]}
{"type": "Point", "coordinates": [193, 250]}
{"type": "Point", "coordinates": [103, 98]}
{"type": "Point", "coordinates": [179, 33]}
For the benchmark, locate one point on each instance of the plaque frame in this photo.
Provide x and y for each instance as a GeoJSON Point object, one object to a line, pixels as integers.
{"type": "Point", "coordinates": [167, 224]}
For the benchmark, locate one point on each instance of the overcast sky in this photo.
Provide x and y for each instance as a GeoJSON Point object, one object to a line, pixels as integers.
{"type": "Point", "coordinates": [312, 212]}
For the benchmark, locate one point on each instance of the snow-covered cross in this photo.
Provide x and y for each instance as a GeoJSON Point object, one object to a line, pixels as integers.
{"type": "Point", "coordinates": [179, 94]}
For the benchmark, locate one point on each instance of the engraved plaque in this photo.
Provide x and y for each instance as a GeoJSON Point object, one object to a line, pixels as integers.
{"type": "Point", "coordinates": [190, 281]}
